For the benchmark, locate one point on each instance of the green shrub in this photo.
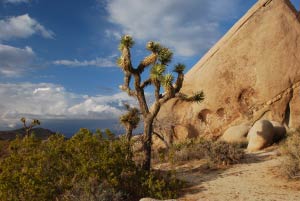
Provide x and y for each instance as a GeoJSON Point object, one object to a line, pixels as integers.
{"type": "Point", "coordinates": [35, 170]}
{"type": "Point", "coordinates": [161, 185]}
{"type": "Point", "coordinates": [291, 152]}
{"type": "Point", "coordinates": [3, 148]}
{"type": "Point", "coordinates": [86, 167]}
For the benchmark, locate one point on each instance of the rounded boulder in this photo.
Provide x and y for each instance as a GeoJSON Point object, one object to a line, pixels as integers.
{"type": "Point", "coordinates": [236, 134]}
{"type": "Point", "coordinates": [260, 135]}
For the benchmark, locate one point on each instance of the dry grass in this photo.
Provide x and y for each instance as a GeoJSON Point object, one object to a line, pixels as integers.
{"type": "Point", "coordinates": [291, 149]}
{"type": "Point", "coordinates": [215, 152]}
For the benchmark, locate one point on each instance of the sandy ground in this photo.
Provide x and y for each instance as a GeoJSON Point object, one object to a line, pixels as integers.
{"type": "Point", "coordinates": [257, 178]}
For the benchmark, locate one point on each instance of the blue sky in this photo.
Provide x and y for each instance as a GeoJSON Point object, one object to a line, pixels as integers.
{"type": "Point", "coordinates": [57, 57]}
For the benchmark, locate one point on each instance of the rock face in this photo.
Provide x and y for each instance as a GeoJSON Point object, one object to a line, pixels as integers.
{"type": "Point", "coordinates": [260, 135]}
{"type": "Point", "coordinates": [252, 73]}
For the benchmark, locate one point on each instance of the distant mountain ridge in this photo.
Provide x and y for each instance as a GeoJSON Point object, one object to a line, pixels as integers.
{"type": "Point", "coordinates": [41, 133]}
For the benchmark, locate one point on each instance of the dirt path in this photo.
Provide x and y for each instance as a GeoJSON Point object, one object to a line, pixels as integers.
{"type": "Point", "coordinates": [257, 179]}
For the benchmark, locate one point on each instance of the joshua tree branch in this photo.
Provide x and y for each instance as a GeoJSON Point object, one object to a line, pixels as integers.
{"type": "Point", "coordinates": [161, 138]}
{"type": "Point", "coordinates": [147, 61]}
{"type": "Point", "coordinates": [157, 90]}
{"type": "Point", "coordinates": [146, 83]}
{"type": "Point", "coordinates": [140, 94]}
{"type": "Point", "coordinates": [179, 82]}
{"type": "Point", "coordinates": [125, 62]}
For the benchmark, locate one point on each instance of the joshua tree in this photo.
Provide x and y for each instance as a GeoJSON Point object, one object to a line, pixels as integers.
{"type": "Point", "coordinates": [158, 59]}
{"type": "Point", "coordinates": [130, 120]}
{"type": "Point", "coordinates": [28, 129]}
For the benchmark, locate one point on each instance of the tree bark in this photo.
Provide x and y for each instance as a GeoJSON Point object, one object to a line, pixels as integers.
{"type": "Point", "coordinates": [129, 130]}
{"type": "Point", "coordinates": [148, 128]}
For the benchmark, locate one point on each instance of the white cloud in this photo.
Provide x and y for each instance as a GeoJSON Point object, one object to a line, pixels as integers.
{"type": "Point", "coordinates": [22, 26]}
{"type": "Point", "coordinates": [187, 26]}
{"type": "Point", "coordinates": [50, 101]}
{"type": "Point", "coordinates": [16, 1]}
{"type": "Point", "coordinates": [114, 34]}
{"type": "Point", "coordinates": [99, 62]}
{"type": "Point", "coordinates": [14, 61]}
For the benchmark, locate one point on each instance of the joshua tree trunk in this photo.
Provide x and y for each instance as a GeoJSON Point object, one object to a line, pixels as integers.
{"type": "Point", "coordinates": [129, 133]}
{"type": "Point", "coordinates": [148, 129]}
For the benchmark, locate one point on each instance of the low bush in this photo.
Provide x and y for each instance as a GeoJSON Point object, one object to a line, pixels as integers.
{"type": "Point", "coordinates": [86, 167]}
{"type": "Point", "coordinates": [291, 153]}
{"type": "Point", "coordinates": [223, 153]}
{"type": "Point", "coordinates": [215, 152]}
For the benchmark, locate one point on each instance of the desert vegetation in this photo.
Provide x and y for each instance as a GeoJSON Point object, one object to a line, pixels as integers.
{"type": "Point", "coordinates": [88, 166]}
{"type": "Point", "coordinates": [28, 128]}
{"type": "Point", "coordinates": [98, 166]}
{"type": "Point", "coordinates": [130, 120]}
{"type": "Point", "coordinates": [291, 151]}
{"type": "Point", "coordinates": [215, 153]}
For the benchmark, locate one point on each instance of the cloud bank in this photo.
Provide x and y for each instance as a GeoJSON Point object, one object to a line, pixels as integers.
{"type": "Point", "coordinates": [187, 26]}
{"type": "Point", "coordinates": [47, 101]}
{"type": "Point", "coordinates": [14, 61]}
{"type": "Point", "coordinates": [22, 26]}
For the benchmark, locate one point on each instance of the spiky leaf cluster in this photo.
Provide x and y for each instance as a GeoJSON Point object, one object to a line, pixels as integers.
{"type": "Point", "coordinates": [157, 72]}
{"type": "Point", "coordinates": [165, 55]}
{"type": "Point", "coordinates": [167, 81]}
{"type": "Point", "coordinates": [131, 117]}
{"type": "Point", "coordinates": [153, 47]}
{"type": "Point", "coordinates": [23, 120]}
{"type": "Point", "coordinates": [196, 97]}
{"type": "Point", "coordinates": [119, 62]}
{"type": "Point", "coordinates": [179, 68]}
{"type": "Point", "coordinates": [35, 122]}
{"type": "Point", "coordinates": [126, 41]}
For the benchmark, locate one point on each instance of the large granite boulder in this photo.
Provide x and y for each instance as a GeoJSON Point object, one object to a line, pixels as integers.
{"type": "Point", "coordinates": [236, 134]}
{"type": "Point", "coordinates": [260, 135]}
{"type": "Point", "coordinates": [252, 73]}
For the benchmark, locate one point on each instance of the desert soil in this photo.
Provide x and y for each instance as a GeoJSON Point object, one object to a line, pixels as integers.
{"type": "Point", "coordinates": [257, 178]}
